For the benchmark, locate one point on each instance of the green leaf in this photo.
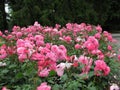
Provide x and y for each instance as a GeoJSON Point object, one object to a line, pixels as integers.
{"type": "Point", "coordinates": [91, 73]}
{"type": "Point", "coordinates": [12, 66]}
{"type": "Point", "coordinates": [52, 73]}
{"type": "Point", "coordinates": [5, 71]}
{"type": "Point", "coordinates": [92, 88]}
{"type": "Point", "coordinates": [19, 75]}
{"type": "Point", "coordinates": [64, 77]}
{"type": "Point", "coordinates": [56, 87]}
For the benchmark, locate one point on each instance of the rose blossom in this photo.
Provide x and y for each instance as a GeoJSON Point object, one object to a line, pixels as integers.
{"type": "Point", "coordinates": [4, 88]}
{"type": "Point", "coordinates": [44, 86]}
{"type": "Point", "coordinates": [77, 46]}
{"type": "Point", "coordinates": [100, 65]}
{"type": "Point", "coordinates": [114, 87]}
{"type": "Point", "coordinates": [44, 72]}
{"type": "Point", "coordinates": [91, 43]}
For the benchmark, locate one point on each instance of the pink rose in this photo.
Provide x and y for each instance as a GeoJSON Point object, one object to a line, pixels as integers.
{"type": "Point", "coordinates": [109, 47]}
{"type": "Point", "coordinates": [91, 43]}
{"type": "Point", "coordinates": [1, 33]}
{"type": "Point", "coordinates": [20, 43]}
{"type": "Point", "coordinates": [68, 39]}
{"type": "Point", "coordinates": [101, 66]}
{"type": "Point", "coordinates": [98, 28]}
{"type": "Point", "coordinates": [19, 34]}
{"type": "Point", "coordinates": [22, 57]}
{"type": "Point", "coordinates": [44, 86]}
{"type": "Point", "coordinates": [60, 69]}
{"type": "Point", "coordinates": [77, 46]}
{"type": "Point", "coordinates": [3, 54]}
{"type": "Point", "coordinates": [118, 57]}
{"type": "Point", "coordinates": [97, 35]}
{"type": "Point", "coordinates": [69, 26]}
{"type": "Point", "coordinates": [62, 47]}
{"type": "Point", "coordinates": [89, 28]}
{"type": "Point", "coordinates": [21, 50]}
{"type": "Point", "coordinates": [83, 59]}
{"type": "Point", "coordinates": [114, 87]}
{"type": "Point", "coordinates": [44, 72]}
{"type": "Point", "coordinates": [4, 88]}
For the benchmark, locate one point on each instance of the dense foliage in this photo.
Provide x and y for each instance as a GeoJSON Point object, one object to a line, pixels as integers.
{"type": "Point", "coordinates": [74, 57]}
{"type": "Point", "coordinates": [50, 12]}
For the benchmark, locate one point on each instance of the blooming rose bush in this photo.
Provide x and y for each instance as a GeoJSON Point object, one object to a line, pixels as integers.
{"type": "Point", "coordinates": [74, 57]}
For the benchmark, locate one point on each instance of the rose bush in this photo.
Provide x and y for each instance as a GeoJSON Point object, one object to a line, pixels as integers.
{"type": "Point", "coordinates": [74, 57]}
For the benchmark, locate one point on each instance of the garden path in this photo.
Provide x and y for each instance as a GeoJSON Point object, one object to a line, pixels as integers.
{"type": "Point", "coordinates": [117, 37]}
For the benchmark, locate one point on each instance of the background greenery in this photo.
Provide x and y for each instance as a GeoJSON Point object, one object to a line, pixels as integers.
{"type": "Point", "coordinates": [50, 12]}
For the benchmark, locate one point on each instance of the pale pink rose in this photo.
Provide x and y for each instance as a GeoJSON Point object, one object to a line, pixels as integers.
{"type": "Point", "coordinates": [36, 24]}
{"type": "Point", "coordinates": [60, 69]}
{"type": "Point", "coordinates": [114, 87]}
{"type": "Point", "coordinates": [30, 52]}
{"type": "Point", "coordinates": [44, 72]}
{"type": "Point", "coordinates": [2, 64]}
{"type": "Point", "coordinates": [44, 86]}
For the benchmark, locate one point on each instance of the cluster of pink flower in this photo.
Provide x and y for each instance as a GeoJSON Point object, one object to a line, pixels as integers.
{"type": "Point", "coordinates": [50, 48]}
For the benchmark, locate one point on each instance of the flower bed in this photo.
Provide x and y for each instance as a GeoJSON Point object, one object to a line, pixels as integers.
{"type": "Point", "coordinates": [74, 57]}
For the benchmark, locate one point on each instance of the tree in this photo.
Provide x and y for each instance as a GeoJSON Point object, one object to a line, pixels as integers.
{"type": "Point", "coordinates": [50, 12]}
{"type": "Point", "coordinates": [3, 20]}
